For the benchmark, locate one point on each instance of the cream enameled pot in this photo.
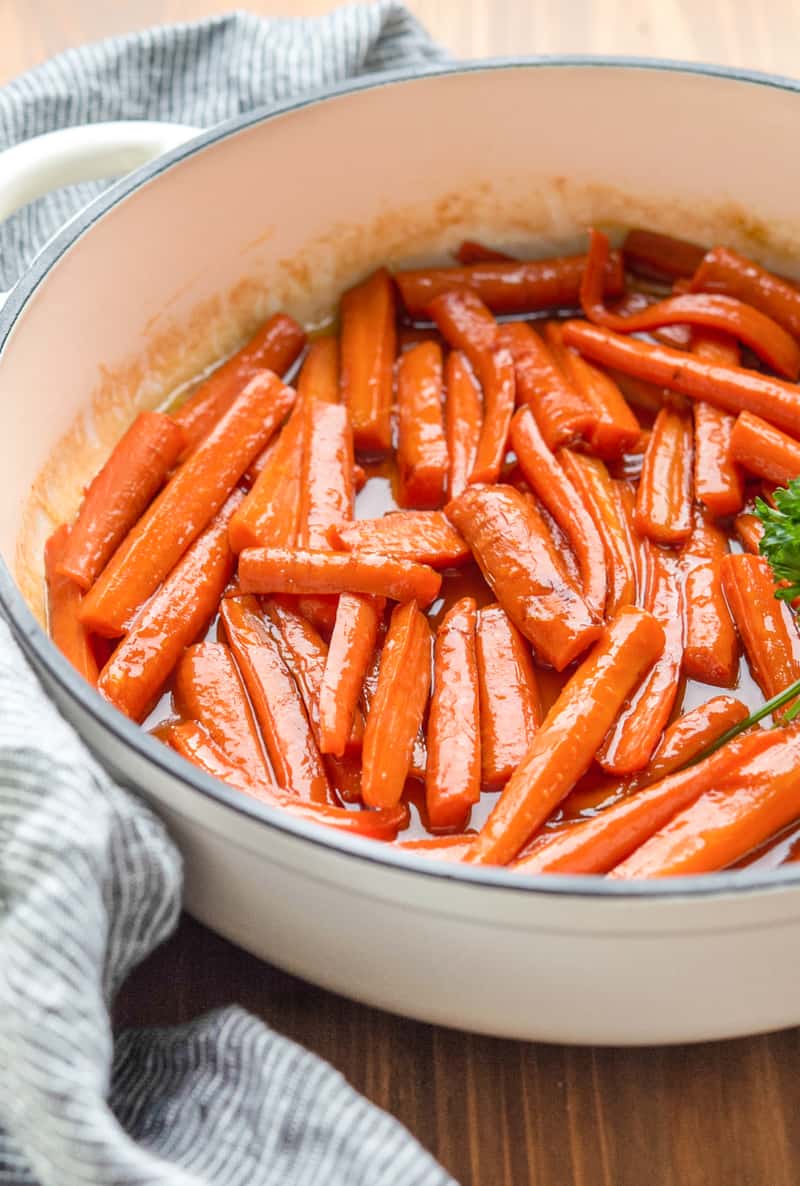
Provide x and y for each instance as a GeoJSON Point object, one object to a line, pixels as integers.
{"type": "Point", "coordinates": [170, 269]}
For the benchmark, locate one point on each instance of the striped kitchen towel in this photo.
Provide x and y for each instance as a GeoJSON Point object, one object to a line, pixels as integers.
{"type": "Point", "coordinates": [89, 880]}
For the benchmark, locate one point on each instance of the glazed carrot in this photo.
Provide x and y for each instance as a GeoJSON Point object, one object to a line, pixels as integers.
{"type": "Point", "coordinates": [367, 360]}
{"type": "Point", "coordinates": [319, 374]}
{"type": "Point", "coordinates": [597, 845]}
{"type": "Point", "coordinates": [63, 605]}
{"type": "Point", "coordinates": [614, 428]}
{"type": "Point", "coordinates": [185, 506]}
{"type": "Point", "coordinates": [723, 270]}
{"type": "Point", "coordinates": [766, 626]}
{"type": "Point", "coordinates": [555, 491]}
{"type": "Point", "coordinates": [509, 697]}
{"type": "Point", "coordinates": [463, 419]}
{"type": "Point", "coordinates": [419, 753]}
{"type": "Point", "coordinates": [564, 746]}
{"type": "Point", "coordinates": [661, 257]}
{"type": "Point", "coordinates": [276, 701]}
{"type": "Point", "coordinates": [270, 513]}
{"type": "Point", "coordinates": [523, 570]}
{"type": "Point", "coordinates": [711, 653]}
{"type": "Point", "coordinates": [423, 536]}
{"type": "Point", "coordinates": [286, 570]}
{"type": "Point", "coordinates": [544, 524]}
{"type": "Point", "coordinates": [718, 480]}
{"type": "Point", "coordinates": [395, 714]}
{"type": "Point", "coordinates": [507, 287]}
{"type": "Point", "coordinates": [734, 389]}
{"type": "Point", "coordinates": [749, 804]}
{"type": "Point", "coordinates": [453, 776]}
{"type": "Point", "coordinates": [636, 545]}
{"type": "Point", "coordinates": [765, 337]}
{"type": "Point", "coordinates": [441, 848]}
{"type": "Point", "coordinates": [715, 346]}
{"type": "Point", "coordinates": [326, 476]}
{"type": "Point", "coordinates": [208, 689]}
{"type": "Point", "coordinates": [135, 674]}
{"type": "Point", "coordinates": [764, 450]}
{"type": "Point", "coordinates": [351, 648]}
{"type": "Point", "coordinates": [664, 497]}
{"type": "Point", "coordinates": [749, 530]}
{"type": "Point", "coordinates": [472, 252]}
{"type": "Point", "coordinates": [422, 458]}
{"type": "Point", "coordinates": [274, 348]}
{"type": "Point", "coordinates": [193, 742]}
{"type": "Point", "coordinates": [562, 415]}
{"type": "Point", "coordinates": [120, 493]}
{"type": "Point", "coordinates": [636, 733]}
{"type": "Point", "coordinates": [466, 324]}
{"type": "Point", "coordinates": [600, 497]}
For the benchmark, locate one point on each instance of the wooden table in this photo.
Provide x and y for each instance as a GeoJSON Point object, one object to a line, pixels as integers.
{"type": "Point", "coordinates": [500, 1113]}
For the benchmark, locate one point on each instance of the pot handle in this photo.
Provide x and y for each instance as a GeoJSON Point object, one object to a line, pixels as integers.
{"type": "Point", "coordinates": [90, 152]}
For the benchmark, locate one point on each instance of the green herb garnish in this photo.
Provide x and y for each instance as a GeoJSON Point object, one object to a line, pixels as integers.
{"type": "Point", "coordinates": [780, 543]}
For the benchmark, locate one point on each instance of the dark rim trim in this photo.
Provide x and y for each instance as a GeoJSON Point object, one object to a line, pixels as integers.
{"type": "Point", "coordinates": [39, 648]}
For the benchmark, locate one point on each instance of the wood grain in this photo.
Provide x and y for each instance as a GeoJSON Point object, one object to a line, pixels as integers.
{"type": "Point", "coordinates": [499, 1113]}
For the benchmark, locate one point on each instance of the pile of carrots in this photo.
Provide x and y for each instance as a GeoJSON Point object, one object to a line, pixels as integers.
{"type": "Point", "coordinates": [503, 656]}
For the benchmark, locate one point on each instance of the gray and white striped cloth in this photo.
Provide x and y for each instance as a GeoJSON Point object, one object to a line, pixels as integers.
{"type": "Point", "coordinates": [89, 880]}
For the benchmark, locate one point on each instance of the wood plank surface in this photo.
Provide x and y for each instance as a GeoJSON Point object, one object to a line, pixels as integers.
{"type": "Point", "coordinates": [499, 1113]}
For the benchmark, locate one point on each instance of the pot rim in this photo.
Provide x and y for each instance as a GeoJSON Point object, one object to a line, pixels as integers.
{"type": "Point", "coordinates": [38, 646]}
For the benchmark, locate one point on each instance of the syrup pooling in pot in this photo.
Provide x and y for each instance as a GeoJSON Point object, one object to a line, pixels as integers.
{"type": "Point", "coordinates": [471, 574]}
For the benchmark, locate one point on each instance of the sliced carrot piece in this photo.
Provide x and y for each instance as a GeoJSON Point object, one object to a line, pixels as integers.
{"type": "Point", "coordinates": [185, 506]}
{"type": "Point", "coordinates": [351, 649]}
{"type": "Point", "coordinates": [319, 374]}
{"type": "Point", "coordinates": [463, 419]}
{"type": "Point", "coordinates": [274, 348]}
{"type": "Point", "coordinates": [562, 414]}
{"type": "Point", "coordinates": [520, 565]}
{"type": "Point", "coordinates": [724, 270]}
{"type": "Point", "coordinates": [422, 459]}
{"type": "Point", "coordinates": [270, 514]}
{"type": "Point", "coordinates": [718, 480]}
{"type": "Point", "coordinates": [64, 599]}
{"type": "Point", "coordinates": [661, 257]}
{"type": "Point", "coordinates": [711, 653]}
{"type": "Point", "coordinates": [453, 777]}
{"type": "Point", "coordinates": [600, 497]}
{"type": "Point", "coordinates": [441, 848]}
{"type": "Point", "coordinates": [120, 493]}
{"type": "Point", "coordinates": [637, 731]}
{"type": "Point", "coordinates": [766, 625]}
{"type": "Point", "coordinates": [509, 696]}
{"type": "Point", "coordinates": [472, 252]}
{"type": "Point", "coordinates": [423, 536]}
{"type": "Point", "coordinates": [135, 675]}
{"type": "Point", "coordinates": [664, 497]}
{"type": "Point", "coordinates": [749, 530]}
{"type": "Point", "coordinates": [327, 496]}
{"type": "Point", "coordinates": [636, 545]}
{"type": "Point", "coordinates": [764, 450]}
{"type": "Point", "coordinates": [302, 571]}
{"type": "Point", "coordinates": [395, 714]}
{"type": "Point", "coordinates": [368, 343]}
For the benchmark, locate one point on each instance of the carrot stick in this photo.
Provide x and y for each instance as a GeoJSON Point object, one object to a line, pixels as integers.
{"type": "Point", "coordinates": [120, 493]}
{"type": "Point", "coordinates": [274, 348]}
{"type": "Point", "coordinates": [276, 701]}
{"type": "Point", "coordinates": [640, 724]}
{"type": "Point", "coordinates": [562, 415]}
{"type": "Point", "coordinates": [185, 506]}
{"type": "Point", "coordinates": [463, 419]}
{"type": "Point", "coordinates": [423, 536]}
{"type": "Point", "coordinates": [660, 257]}
{"type": "Point", "coordinates": [749, 530]}
{"type": "Point", "coordinates": [208, 689]}
{"type": "Point", "coordinates": [395, 714]}
{"type": "Point", "coordinates": [327, 497]}
{"type": "Point", "coordinates": [453, 777]}
{"type": "Point", "coordinates": [522, 568]}
{"type": "Point", "coordinates": [723, 270]}
{"type": "Point", "coordinates": [507, 287]}
{"type": "Point", "coordinates": [472, 252]}
{"type": "Point", "coordinates": [419, 753]}
{"type": "Point", "coordinates": [440, 848]}
{"type": "Point", "coordinates": [351, 648]}
{"type": "Point", "coordinates": [718, 480]}
{"type": "Point", "coordinates": [763, 450]}
{"type": "Point", "coordinates": [63, 605]}
{"type": "Point", "coordinates": [135, 674]}
{"type": "Point", "coordinates": [734, 389]}
{"type": "Point", "coordinates": [422, 458]}
{"type": "Point", "coordinates": [664, 497]}
{"type": "Point", "coordinates": [597, 845]}
{"type": "Point", "coordinates": [510, 711]}
{"type": "Point", "coordinates": [766, 626]}
{"type": "Point", "coordinates": [368, 342]}
{"type": "Point", "coordinates": [286, 570]}
{"type": "Point", "coordinates": [749, 804]}
{"type": "Point", "coordinates": [765, 337]}
{"type": "Point", "coordinates": [636, 545]}
{"type": "Point", "coordinates": [193, 742]}
{"type": "Point", "coordinates": [600, 497]}
{"type": "Point", "coordinates": [319, 374]}
{"type": "Point", "coordinates": [553, 488]}
{"type": "Point", "coordinates": [564, 746]}
{"type": "Point", "coordinates": [270, 514]}
{"type": "Point", "coordinates": [711, 654]}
